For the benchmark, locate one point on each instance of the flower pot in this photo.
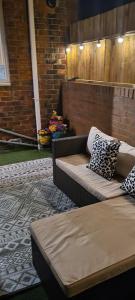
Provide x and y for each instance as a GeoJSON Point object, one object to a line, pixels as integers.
{"type": "Point", "coordinates": [44, 139]}
{"type": "Point", "coordinates": [57, 135]}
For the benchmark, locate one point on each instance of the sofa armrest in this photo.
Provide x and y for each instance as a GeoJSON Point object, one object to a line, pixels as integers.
{"type": "Point", "coordinates": [69, 146]}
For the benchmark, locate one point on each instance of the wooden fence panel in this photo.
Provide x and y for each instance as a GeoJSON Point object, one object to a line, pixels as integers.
{"type": "Point", "coordinates": [114, 22]}
{"type": "Point", "coordinates": [112, 62]}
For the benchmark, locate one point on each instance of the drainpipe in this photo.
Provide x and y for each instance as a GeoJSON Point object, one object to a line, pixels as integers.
{"type": "Point", "coordinates": [34, 65]}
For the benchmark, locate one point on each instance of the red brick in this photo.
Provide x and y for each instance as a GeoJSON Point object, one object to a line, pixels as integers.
{"type": "Point", "coordinates": [86, 106]}
{"type": "Point", "coordinates": [16, 101]}
{"type": "Point", "coordinates": [131, 91]}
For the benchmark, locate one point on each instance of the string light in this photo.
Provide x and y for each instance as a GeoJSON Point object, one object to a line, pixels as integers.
{"type": "Point", "coordinates": [120, 39]}
{"type": "Point", "coordinates": [81, 47]}
{"type": "Point", "coordinates": [68, 49]}
{"type": "Point", "coordinates": [98, 44]}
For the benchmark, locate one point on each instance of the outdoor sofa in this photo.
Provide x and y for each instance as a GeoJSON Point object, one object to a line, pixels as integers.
{"type": "Point", "coordinates": [83, 186]}
{"type": "Point", "coordinates": [89, 252]}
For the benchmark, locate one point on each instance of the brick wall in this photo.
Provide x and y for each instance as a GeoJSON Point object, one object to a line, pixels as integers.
{"type": "Point", "coordinates": [123, 114]}
{"type": "Point", "coordinates": [111, 109]}
{"type": "Point", "coordinates": [16, 101]}
{"type": "Point", "coordinates": [16, 105]}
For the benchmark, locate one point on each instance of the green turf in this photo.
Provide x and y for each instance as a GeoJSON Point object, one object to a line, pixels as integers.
{"type": "Point", "coordinates": [37, 293]}
{"type": "Point", "coordinates": [23, 155]}
{"type": "Point", "coordinates": [9, 157]}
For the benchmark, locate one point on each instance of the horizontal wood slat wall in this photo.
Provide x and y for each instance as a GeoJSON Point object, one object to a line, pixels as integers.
{"type": "Point", "coordinates": [116, 21]}
{"type": "Point", "coordinates": [111, 109]}
{"type": "Point", "coordinates": [113, 62]}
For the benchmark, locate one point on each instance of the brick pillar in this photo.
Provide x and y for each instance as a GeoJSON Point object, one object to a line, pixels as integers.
{"type": "Point", "coordinates": [50, 25]}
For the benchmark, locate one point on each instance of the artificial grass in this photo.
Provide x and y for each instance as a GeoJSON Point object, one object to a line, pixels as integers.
{"type": "Point", "coordinates": [13, 156]}
{"type": "Point", "coordinates": [36, 293]}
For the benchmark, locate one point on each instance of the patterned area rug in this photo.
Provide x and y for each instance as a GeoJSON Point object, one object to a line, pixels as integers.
{"type": "Point", "coordinates": [27, 193]}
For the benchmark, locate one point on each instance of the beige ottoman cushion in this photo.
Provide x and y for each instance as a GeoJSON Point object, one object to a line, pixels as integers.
{"type": "Point", "coordinates": [88, 245]}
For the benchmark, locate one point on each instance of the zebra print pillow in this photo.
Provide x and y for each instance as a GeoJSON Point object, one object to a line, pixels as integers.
{"type": "Point", "coordinates": [104, 157]}
{"type": "Point", "coordinates": [129, 184]}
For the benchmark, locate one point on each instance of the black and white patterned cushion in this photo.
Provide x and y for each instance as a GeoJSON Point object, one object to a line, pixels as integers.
{"type": "Point", "coordinates": [104, 157]}
{"type": "Point", "coordinates": [129, 184]}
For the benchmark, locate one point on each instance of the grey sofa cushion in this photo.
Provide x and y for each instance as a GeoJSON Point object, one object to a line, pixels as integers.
{"type": "Point", "coordinates": [126, 159]}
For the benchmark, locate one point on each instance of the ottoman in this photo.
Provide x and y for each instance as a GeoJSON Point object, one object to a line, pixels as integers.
{"type": "Point", "coordinates": [88, 251]}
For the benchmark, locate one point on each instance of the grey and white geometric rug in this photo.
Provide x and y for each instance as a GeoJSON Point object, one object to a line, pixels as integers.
{"type": "Point", "coordinates": [27, 193]}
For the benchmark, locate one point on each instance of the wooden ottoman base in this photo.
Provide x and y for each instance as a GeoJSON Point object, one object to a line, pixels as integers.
{"type": "Point", "coordinates": [121, 287]}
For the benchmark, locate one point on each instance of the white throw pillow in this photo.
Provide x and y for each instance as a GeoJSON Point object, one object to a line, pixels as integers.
{"type": "Point", "coordinates": [92, 135]}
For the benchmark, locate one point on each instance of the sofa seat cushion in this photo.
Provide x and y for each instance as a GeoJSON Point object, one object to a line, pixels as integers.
{"type": "Point", "coordinates": [95, 184]}
{"type": "Point", "coordinates": [88, 245]}
{"type": "Point", "coordinates": [77, 159]}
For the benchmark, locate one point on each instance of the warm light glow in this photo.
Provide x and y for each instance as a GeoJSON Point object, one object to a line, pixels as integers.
{"type": "Point", "coordinates": [98, 44]}
{"type": "Point", "coordinates": [68, 49]}
{"type": "Point", "coordinates": [120, 39]}
{"type": "Point", "coordinates": [81, 47]}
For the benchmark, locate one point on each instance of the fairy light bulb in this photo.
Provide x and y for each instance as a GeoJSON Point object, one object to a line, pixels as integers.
{"type": "Point", "coordinates": [120, 39]}
{"type": "Point", "coordinates": [68, 49]}
{"type": "Point", "coordinates": [98, 44]}
{"type": "Point", "coordinates": [81, 47]}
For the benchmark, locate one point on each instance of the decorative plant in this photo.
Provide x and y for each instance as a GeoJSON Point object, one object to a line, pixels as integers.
{"type": "Point", "coordinates": [56, 125]}
{"type": "Point", "coordinates": [55, 129]}
{"type": "Point", "coordinates": [44, 136]}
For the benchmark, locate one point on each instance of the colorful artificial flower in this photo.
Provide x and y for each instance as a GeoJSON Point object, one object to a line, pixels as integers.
{"type": "Point", "coordinates": [53, 128]}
